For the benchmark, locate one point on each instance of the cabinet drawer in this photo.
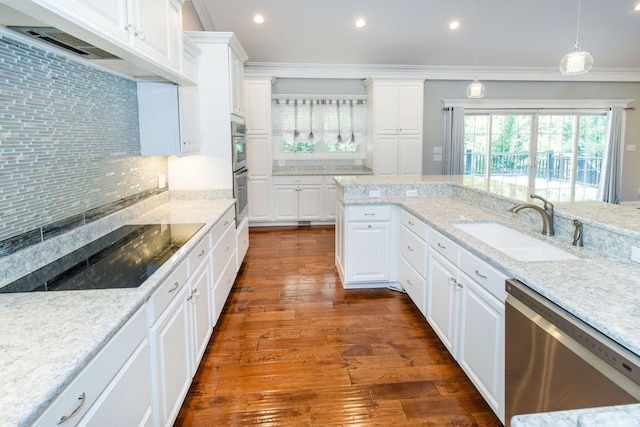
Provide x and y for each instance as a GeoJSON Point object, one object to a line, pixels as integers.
{"type": "Point", "coordinates": [488, 277]}
{"type": "Point", "coordinates": [414, 284]}
{"type": "Point", "coordinates": [76, 399]}
{"type": "Point", "coordinates": [167, 291]}
{"type": "Point", "coordinates": [299, 180]}
{"type": "Point", "coordinates": [199, 254]}
{"type": "Point", "coordinates": [220, 227]}
{"type": "Point", "coordinates": [444, 246]}
{"type": "Point", "coordinates": [369, 213]}
{"type": "Point", "coordinates": [223, 251]}
{"type": "Point", "coordinates": [414, 250]}
{"type": "Point", "coordinates": [242, 240]}
{"type": "Point", "coordinates": [414, 224]}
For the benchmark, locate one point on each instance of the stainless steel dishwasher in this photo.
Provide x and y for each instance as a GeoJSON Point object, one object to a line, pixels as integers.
{"type": "Point", "coordinates": [554, 361]}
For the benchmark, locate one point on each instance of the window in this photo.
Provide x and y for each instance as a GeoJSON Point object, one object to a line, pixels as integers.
{"type": "Point", "coordinates": [331, 126]}
{"type": "Point", "coordinates": [559, 154]}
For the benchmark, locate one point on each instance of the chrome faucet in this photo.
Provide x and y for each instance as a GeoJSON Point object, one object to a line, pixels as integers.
{"type": "Point", "coordinates": [577, 234]}
{"type": "Point", "coordinates": [546, 212]}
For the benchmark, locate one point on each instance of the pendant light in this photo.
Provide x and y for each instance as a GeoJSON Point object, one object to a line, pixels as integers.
{"type": "Point", "coordinates": [475, 89]}
{"type": "Point", "coordinates": [577, 61]}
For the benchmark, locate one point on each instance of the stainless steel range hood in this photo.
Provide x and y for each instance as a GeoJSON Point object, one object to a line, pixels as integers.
{"type": "Point", "coordinates": [65, 41]}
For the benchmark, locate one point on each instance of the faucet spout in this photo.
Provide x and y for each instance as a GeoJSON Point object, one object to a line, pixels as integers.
{"type": "Point", "coordinates": [545, 211]}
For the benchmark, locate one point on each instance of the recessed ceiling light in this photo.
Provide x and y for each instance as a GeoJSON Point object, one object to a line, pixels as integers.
{"type": "Point", "coordinates": [258, 19]}
{"type": "Point", "coordinates": [360, 22]}
{"type": "Point", "coordinates": [637, 8]}
{"type": "Point", "coordinates": [454, 25]}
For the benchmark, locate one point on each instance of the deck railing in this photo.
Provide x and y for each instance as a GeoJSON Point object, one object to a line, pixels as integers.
{"type": "Point", "coordinates": [550, 166]}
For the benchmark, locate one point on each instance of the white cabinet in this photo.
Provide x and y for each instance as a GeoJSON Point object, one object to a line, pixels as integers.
{"type": "Point", "coordinates": [168, 119]}
{"type": "Point", "coordinates": [413, 259]}
{"type": "Point", "coordinates": [171, 364]}
{"type": "Point", "coordinates": [224, 263]}
{"type": "Point", "coordinates": [395, 122]}
{"type": "Point", "coordinates": [481, 351]}
{"type": "Point", "coordinates": [257, 104]}
{"type": "Point", "coordinates": [369, 242]}
{"type": "Point", "coordinates": [298, 198]}
{"type": "Point", "coordinates": [140, 31]}
{"type": "Point", "coordinates": [443, 299]}
{"type": "Point", "coordinates": [259, 165]}
{"type": "Point", "coordinates": [199, 312]}
{"type": "Point", "coordinates": [117, 377]}
{"type": "Point", "coordinates": [330, 199]}
{"type": "Point", "coordinates": [242, 241]}
{"type": "Point", "coordinates": [236, 72]}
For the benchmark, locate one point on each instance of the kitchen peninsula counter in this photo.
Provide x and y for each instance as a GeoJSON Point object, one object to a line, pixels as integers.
{"type": "Point", "coordinates": [600, 288]}
{"type": "Point", "coordinates": [48, 337]}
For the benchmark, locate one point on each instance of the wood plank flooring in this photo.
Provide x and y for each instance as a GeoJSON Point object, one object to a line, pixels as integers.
{"type": "Point", "coordinates": [292, 348]}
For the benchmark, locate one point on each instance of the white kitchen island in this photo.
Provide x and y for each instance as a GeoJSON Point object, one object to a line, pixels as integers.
{"type": "Point", "coordinates": [599, 287]}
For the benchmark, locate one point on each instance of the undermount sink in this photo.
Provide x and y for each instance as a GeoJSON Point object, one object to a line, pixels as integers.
{"type": "Point", "coordinates": [513, 243]}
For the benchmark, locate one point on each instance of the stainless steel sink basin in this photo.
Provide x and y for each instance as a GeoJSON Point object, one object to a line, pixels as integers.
{"type": "Point", "coordinates": [513, 243]}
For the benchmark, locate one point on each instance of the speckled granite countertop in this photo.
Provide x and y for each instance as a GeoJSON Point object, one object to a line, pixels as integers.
{"type": "Point", "coordinates": [320, 170]}
{"type": "Point", "coordinates": [48, 337]}
{"type": "Point", "coordinates": [618, 416]}
{"type": "Point", "coordinates": [599, 288]}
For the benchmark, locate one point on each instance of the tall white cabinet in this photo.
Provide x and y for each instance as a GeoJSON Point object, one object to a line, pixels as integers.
{"type": "Point", "coordinates": [395, 125]}
{"type": "Point", "coordinates": [257, 106]}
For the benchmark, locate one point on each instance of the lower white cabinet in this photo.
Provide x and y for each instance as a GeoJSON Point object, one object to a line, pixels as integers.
{"type": "Point", "coordinates": [242, 241]}
{"type": "Point", "coordinates": [443, 300]}
{"type": "Point", "coordinates": [303, 198]}
{"type": "Point", "coordinates": [368, 235]}
{"type": "Point", "coordinates": [481, 342]}
{"type": "Point", "coordinates": [171, 362]}
{"type": "Point", "coordinates": [199, 313]}
{"type": "Point", "coordinates": [259, 199]}
{"type": "Point", "coordinates": [127, 400]}
{"type": "Point", "coordinates": [117, 377]}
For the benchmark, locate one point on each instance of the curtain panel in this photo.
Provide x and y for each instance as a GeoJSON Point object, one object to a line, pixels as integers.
{"type": "Point", "coordinates": [453, 162]}
{"type": "Point", "coordinates": [611, 184]}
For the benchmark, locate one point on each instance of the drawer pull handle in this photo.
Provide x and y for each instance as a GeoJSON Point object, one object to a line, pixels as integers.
{"type": "Point", "coordinates": [410, 223]}
{"type": "Point", "coordinates": [226, 223]}
{"type": "Point", "coordinates": [369, 214]}
{"type": "Point", "coordinates": [410, 248]}
{"type": "Point", "coordinates": [175, 286]}
{"type": "Point", "coordinates": [227, 248]}
{"type": "Point", "coordinates": [228, 281]}
{"type": "Point", "coordinates": [201, 253]}
{"type": "Point", "coordinates": [64, 418]}
{"type": "Point", "coordinates": [409, 282]}
{"type": "Point", "coordinates": [440, 245]}
{"type": "Point", "coordinates": [480, 274]}
{"type": "Point", "coordinates": [451, 281]}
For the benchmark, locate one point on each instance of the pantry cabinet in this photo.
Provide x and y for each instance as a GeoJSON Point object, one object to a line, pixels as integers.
{"type": "Point", "coordinates": [257, 102]}
{"type": "Point", "coordinates": [395, 123]}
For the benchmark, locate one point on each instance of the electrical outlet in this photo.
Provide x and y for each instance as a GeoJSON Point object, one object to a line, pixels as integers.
{"type": "Point", "coordinates": [374, 193]}
{"type": "Point", "coordinates": [162, 181]}
{"type": "Point", "coordinates": [635, 254]}
{"type": "Point", "coordinates": [412, 193]}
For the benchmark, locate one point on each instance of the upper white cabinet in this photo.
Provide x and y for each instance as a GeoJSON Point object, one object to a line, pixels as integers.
{"type": "Point", "coordinates": [168, 116]}
{"type": "Point", "coordinates": [146, 33]}
{"type": "Point", "coordinates": [236, 71]}
{"type": "Point", "coordinates": [257, 104]}
{"type": "Point", "coordinates": [394, 123]}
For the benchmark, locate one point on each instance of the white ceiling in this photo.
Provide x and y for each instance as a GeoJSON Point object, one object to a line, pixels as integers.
{"type": "Point", "coordinates": [523, 34]}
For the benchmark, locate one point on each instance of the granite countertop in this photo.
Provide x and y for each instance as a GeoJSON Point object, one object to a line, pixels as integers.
{"type": "Point", "coordinates": [590, 288]}
{"type": "Point", "coordinates": [320, 170]}
{"type": "Point", "coordinates": [618, 416]}
{"type": "Point", "coordinates": [48, 337]}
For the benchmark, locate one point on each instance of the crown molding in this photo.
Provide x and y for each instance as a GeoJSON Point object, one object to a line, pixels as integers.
{"type": "Point", "coordinates": [362, 71]}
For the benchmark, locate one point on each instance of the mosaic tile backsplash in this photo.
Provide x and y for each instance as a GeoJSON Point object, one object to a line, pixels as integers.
{"type": "Point", "coordinates": [69, 141]}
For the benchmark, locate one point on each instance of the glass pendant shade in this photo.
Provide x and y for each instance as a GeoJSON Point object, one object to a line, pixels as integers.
{"type": "Point", "coordinates": [475, 89]}
{"type": "Point", "coordinates": [577, 61]}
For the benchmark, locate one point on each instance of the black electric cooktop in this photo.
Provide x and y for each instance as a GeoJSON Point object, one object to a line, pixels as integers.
{"type": "Point", "coordinates": [124, 258]}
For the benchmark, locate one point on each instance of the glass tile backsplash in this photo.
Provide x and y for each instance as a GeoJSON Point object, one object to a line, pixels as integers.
{"type": "Point", "coordinates": [69, 142]}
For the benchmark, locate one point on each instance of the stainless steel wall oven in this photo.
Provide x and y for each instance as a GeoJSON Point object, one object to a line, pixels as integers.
{"type": "Point", "coordinates": [240, 171]}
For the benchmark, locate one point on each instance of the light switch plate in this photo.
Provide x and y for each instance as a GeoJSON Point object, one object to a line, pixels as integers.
{"type": "Point", "coordinates": [631, 147]}
{"type": "Point", "coordinates": [437, 157]}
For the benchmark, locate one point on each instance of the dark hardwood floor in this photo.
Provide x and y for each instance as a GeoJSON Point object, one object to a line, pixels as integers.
{"type": "Point", "coordinates": [293, 348]}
